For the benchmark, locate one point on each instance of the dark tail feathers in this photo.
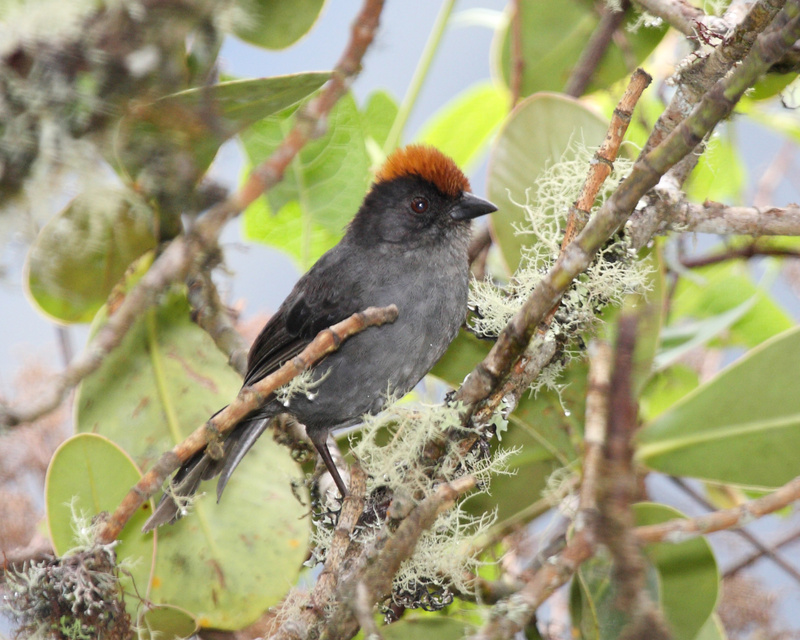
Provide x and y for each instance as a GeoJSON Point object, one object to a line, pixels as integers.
{"type": "Point", "coordinates": [202, 467]}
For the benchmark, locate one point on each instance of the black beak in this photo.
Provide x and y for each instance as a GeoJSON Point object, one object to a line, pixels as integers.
{"type": "Point", "coordinates": [470, 206]}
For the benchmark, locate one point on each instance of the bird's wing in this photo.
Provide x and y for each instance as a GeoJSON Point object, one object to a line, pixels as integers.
{"type": "Point", "coordinates": [326, 295]}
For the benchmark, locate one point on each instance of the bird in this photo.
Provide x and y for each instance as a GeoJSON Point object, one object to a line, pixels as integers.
{"type": "Point", "coordinates": [407, 245]}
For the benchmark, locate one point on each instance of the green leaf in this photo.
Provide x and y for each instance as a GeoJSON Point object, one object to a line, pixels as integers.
{"type": "Point", "coordinates": [323, 186]}
{"type": "Point", "coordinates": [593, 597]}
{"type": "Point", "coordinates": [742, 427]}
{"type": "Point", "coordinates": [378, 115]}
{"type": "Point", "coordinates": [536, 134]}
{"type": "Point", "coordinates": [89, 474]}
{"type": "Point", "coordinates": [83, 252]}
{"type": "Point", "coordinates": [688, 574]}
{"type": "Point", "coordinates": [288, 230]}
{"type": "Point", "coordinates": [680, 339]}
{"type": "Point", "coordinates": [771, 85]}
{"type": "Point", "coordinates": [425, 628]}
{"type": "Point", "coordinates": [665, 389]}
{"type": "Point", "coordinates": [462, 128]}
{"type": "Point", "coordinates": [554, 35]}
{"type": "Point", "coordinates": [720, 173]}
{"type": "Point", "coordinates": [461, 357]}
{"type": "Point", "coordinates": [194, 123]}
{"type": "Point", "coordinates": [682, 578]}
{"type": "Point", "coordinates": [712, 630]}
{"type": "Point", "coordinates": [718, 289]}
{"type": "Point", "coordinates": [275, 24]}
{"type": "Point", "coordinates": [164, 380]}
{"type": "Point", "coordinates": [165, 623]}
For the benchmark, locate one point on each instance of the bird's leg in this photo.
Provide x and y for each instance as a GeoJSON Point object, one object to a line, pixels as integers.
{"type": "Point", "coordinates": [319, 438]}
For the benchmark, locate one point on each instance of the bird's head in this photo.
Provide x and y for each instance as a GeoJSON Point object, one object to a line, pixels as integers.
{"type": "Point", "coordinates": [419, 196]}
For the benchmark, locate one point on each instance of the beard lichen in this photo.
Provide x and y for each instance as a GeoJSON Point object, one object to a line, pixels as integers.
{"type": "Point", "coordinates": [391, 449]}
{"type": "Point", "coordinates": [614, 274]}
{"type": "Point", "coordinates": [77, 596]}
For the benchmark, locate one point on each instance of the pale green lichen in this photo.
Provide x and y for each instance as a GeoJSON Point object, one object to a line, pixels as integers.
{"type": "Point", "coordinates": [77, 596]}
{"type": "Point", "coordinates": [390, 448]}
{"type": "Point", "coordinates": [614, 274]}
{"type": "Point", "coordinates": [304, 384]}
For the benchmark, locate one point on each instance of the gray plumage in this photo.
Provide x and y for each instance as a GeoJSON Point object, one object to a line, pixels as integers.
{"type": "Point", "coordinates": [407, 246]}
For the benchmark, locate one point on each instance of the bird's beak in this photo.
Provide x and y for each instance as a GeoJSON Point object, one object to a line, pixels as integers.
{"type": "Point", "coordinates": [470, 206]}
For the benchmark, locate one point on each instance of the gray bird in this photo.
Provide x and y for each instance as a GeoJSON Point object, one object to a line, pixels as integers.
{"type": "Point", "coordinates": [407, 246]}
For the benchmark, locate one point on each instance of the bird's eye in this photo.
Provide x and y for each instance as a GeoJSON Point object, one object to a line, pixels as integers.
{"type": "Point", "coordinates": [419, 205]}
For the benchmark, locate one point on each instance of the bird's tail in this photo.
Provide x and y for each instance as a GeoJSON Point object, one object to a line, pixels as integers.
{"type": "Point", "coordinates": [202, 466]}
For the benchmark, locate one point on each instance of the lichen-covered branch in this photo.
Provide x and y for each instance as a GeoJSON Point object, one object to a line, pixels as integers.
{"type": "Point", "coordinates": [537, 356]}
{"type": "Point", "coordinates": [681, 14]}
{"type": "Point", "coordinates": [249, 398]}
{"type": "Point", "coordinates": [678, 214]}
{"type": "Point", "coordinates": [715, 105]}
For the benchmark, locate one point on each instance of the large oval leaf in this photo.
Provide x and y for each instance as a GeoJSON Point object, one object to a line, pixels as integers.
{"type": "Point", "coordinates": [224, 563]}
{"type": "Point", "coordinates": [687, 571]}
{"type": "Point", "coordinates": [554, 35]}
{"type": "Point", "coordinates": [275, 24]}
{"type": "Point", "coordinates": [89, 474]}
{"type": "Point", "coordinates": [83, 252]}
{"type": "Point", "coordinates": [537, 133]}
{"type": "Point", "coordinates": [683, 579]}
{"type": "Point", "coordinates": [742, 427]}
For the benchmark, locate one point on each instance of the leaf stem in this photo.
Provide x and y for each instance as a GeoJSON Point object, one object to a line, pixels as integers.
{"type": "Point", "coordinates": [420, 73]}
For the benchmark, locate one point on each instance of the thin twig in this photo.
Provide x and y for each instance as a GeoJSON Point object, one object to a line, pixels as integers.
{"type": "Point", "coordinates": [249, 398]}
{"type": "Point", "coordinates": [716, 104]}
{"type": "Point", "coordinates": [685, 529]}
{"type": "Point", "coordinates": [751, 250]}
{"type": "Point", "coordinates": [594, 439]}
{"type": "Point", "coordinates": [671, 210]}
{"type": "Point", "coordinates": [214, 318]}
{"type": "Point", "coordinates": [601, 167]}
{"type": "Point", "coordinates": [595, 49]}
{"type": "Point", "coordinates": [742, 533]}
{"type": "Point", "coordinates": [517, 52]}
{"type": "Point", "coordinates": [681, 14]}
{"type": "Point", "coordinates": [174, 263]}
{"type": "Point", "coordinates": [788, 539]}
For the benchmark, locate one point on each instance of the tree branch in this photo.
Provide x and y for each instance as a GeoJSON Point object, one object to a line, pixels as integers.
{"type": "Point", "coordinates": [680, 14]}
{"type": "Point", "coordinates": [249, 398]}
{"type": "Point", "coordinates": [668, 209]}
{"type": "Point", "coordinates": [175, 262]}
{"type": "Point", "coordinates": [717, 104]}
{"type": "Point", "coordinates": [595, 49]}
{"type": "Point", "coordinates": [618, 490]}
{"type": "Point", "coordinates": [214, 318]}
{"type": "Point", "coordinates": [685, 529]}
